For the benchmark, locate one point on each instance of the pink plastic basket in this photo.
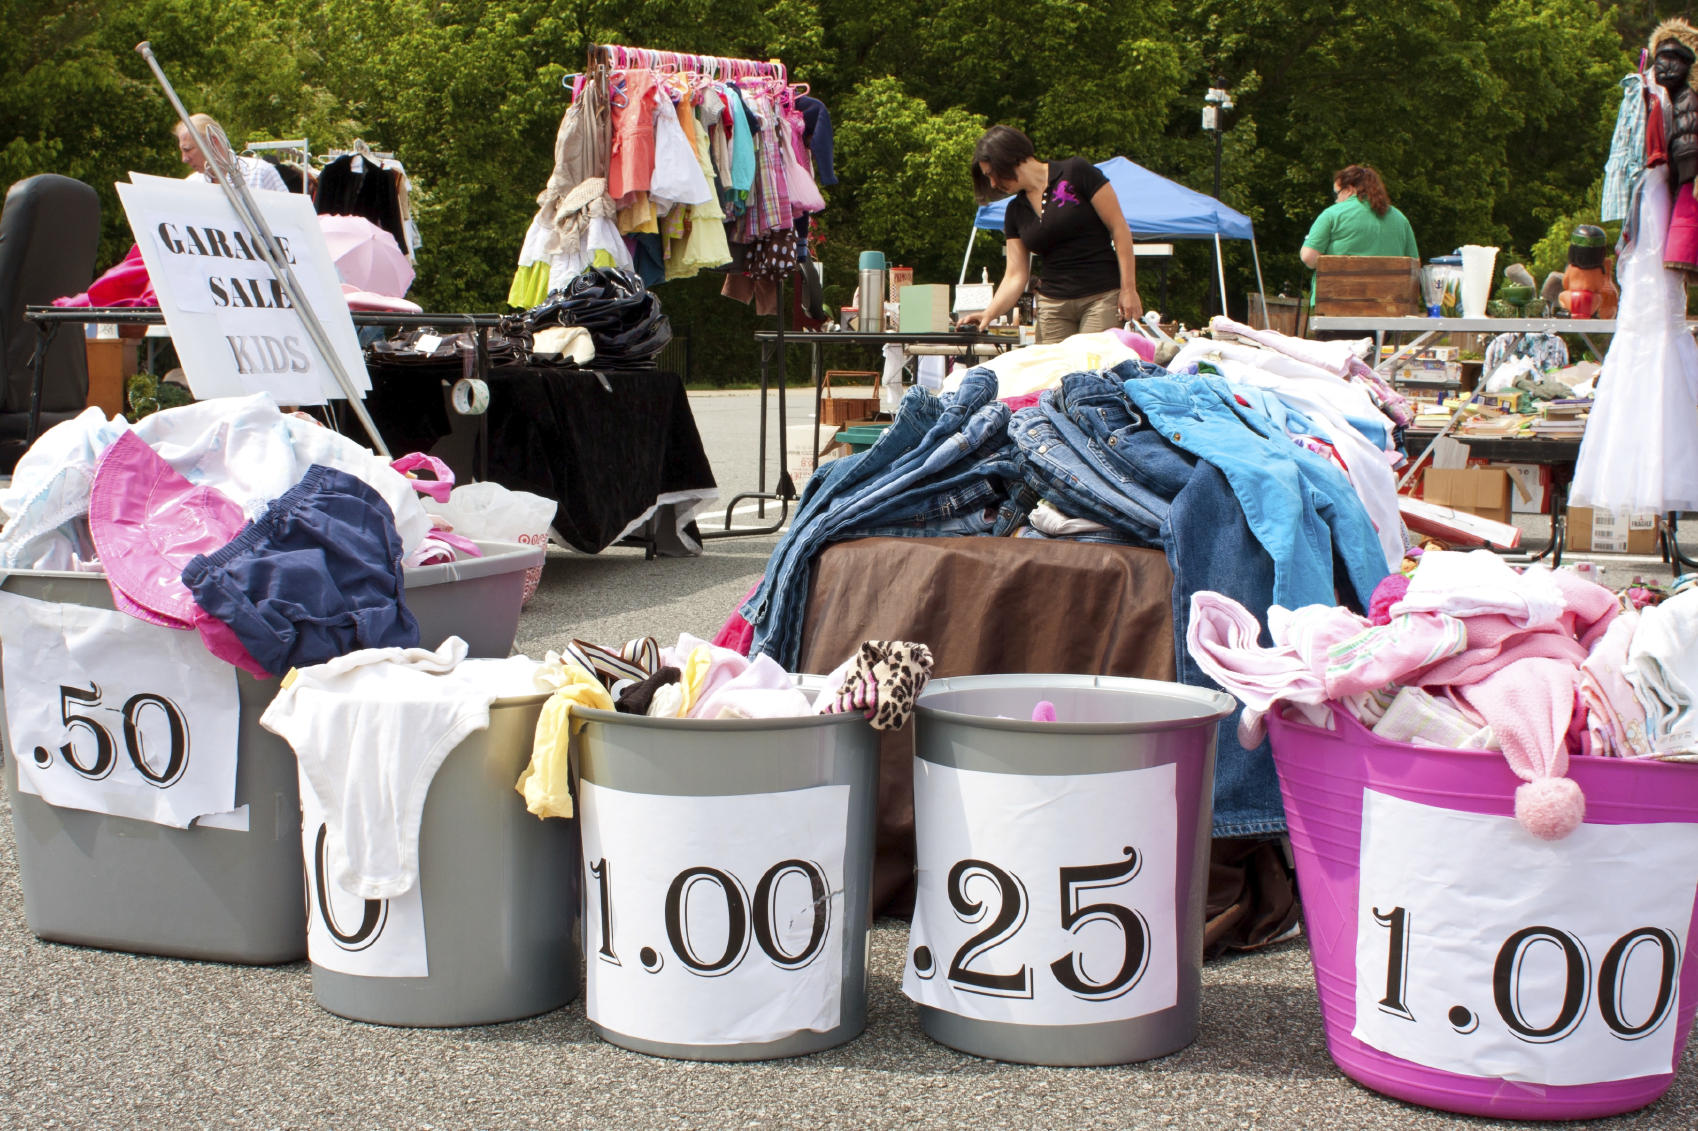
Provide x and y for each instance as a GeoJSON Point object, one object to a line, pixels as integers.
{"type": "Point", "coordinates": [1322, 775]}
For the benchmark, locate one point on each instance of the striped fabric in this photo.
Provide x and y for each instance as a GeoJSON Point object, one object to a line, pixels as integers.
{"type": "Point", "coordinates": [635, 660]}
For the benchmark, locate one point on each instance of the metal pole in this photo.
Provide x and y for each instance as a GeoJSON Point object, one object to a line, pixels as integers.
{"type": "Point", "coordinates": [972, 237]}
{"type": "Point", "coordinates": [1220, 274]}
{"type": "Point", "coordinates": [1217, 158]}
{"type": "Point", "coordinates": [235, 188]}
{"type": "Point", "coordinates": [1262, 290]}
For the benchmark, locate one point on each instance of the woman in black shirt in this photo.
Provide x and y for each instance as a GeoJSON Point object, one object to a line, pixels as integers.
{"type": "Point", "coordinates": [1066, 212]}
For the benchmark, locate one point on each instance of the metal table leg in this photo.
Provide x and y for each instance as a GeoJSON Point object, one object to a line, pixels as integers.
{"type": "Point", "coordinates": [1668, 543]}
{"type": "Point", "coordinates": [44, 334]}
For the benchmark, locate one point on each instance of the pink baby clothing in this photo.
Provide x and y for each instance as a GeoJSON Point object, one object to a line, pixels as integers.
{"type": "Point", "coordinates": [1529, 705]}
{"type": "Point", "coordinates": [1494, 642]}
{"type": "Point", "coordinates": [1478, 583]}
{"type": "Point", "coordinates": [1386, 653]}
{"type": "Point", "coordinates": [1222, 637]}
{"type": "Point", "coordinates": [763, 690]}
{"type": "Point", "coordinates": [1588, 608]}
{"type": "Point", "coordinates": [736, 633]}
{"type": "Point", "coordinates": [631, 169]}
{"type": "Point", "coordinates": [1615, 717]}
{"type": "Point", "coordinates": [1427, 720]}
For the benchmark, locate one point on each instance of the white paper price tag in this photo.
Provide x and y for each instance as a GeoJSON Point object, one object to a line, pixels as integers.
{"type": "Point", "coordinates": [1485, 951]}
{"type": "Point", "coordinates": [1044, 900]}
{"type": "Point", "coordinates": [714, 920]}
{"type": "Point", "coordinates": [373, 938]}
{"type": "Point", "coordinates": [113, 715]}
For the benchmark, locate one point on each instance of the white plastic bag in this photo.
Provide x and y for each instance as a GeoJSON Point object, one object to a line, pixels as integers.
{"type": "Point", "coordinates": [491, 512]}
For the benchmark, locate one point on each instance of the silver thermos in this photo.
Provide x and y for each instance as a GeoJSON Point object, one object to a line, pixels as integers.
{"type": "Point", "coordinates": [873, 281]}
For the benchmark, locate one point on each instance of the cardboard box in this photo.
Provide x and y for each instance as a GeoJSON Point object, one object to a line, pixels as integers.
{"type": "Point", "coordinates": [110, 362]}
{"type": "Point", "coordinates": [1530, 487]}
{"type": "Point", "coordinates": [1481, 491]}
{"type": "Point", "coordinates": [1607, 533]}
{"type": "Point", "coordinates": [1440, 354]}
{"type": "Point", "coordinates": [1368, 286]}
{"type": "Point", "coordinates": [924, 308]}
{"type": "Point", "coordinates": [970, 298]}
{"type": "Point", "coordinates": [1415, 372]}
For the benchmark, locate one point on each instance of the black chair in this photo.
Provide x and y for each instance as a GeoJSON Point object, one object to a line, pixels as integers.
{"type": "Point", "coordinates": [49, 232]}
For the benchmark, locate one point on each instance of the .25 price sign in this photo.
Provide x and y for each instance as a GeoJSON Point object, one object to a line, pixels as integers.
{"type": "Point", "coordinates": [714, 920]}
{"type": "Point", "coordinates": [1484, 951]}
{"type": "Point", "coordinates": [1044, 900]}
{"type": "Point", "coordinates": [109, 714]}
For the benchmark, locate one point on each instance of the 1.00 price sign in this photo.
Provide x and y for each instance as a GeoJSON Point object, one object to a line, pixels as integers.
{"type": "Point", "coordinates": [714, 920]}
{"type": "Point", "coordinates": [1044, 900]}
{"type": "Point", "coordinates": [1485, 951]}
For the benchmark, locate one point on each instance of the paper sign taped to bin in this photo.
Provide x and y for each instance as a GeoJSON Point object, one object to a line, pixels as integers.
{"type": "Point", "coordinates": [714, 920]}
{"type": "Point", "coordinates": [1485, 951]}
{"type": "Point", "coordinates": [1045, 900]}
{"type": "Point", "coordinates": [113, 715]}
{"type": "Point", "coordinates": [371, 938]}
{"type": "Point", "coordinates": [235, 329]}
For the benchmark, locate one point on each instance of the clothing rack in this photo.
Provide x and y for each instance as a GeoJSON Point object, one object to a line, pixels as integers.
{"type": "Point", "coordinates": [618, 57]}
{"type": "Point", "coordinates": [293, 145]}
{"type": "Point", "coordinates": [602, 57]}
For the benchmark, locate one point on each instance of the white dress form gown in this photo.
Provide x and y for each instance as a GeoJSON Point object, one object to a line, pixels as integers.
{"type": "Point", "coordinates": [1640, 451]}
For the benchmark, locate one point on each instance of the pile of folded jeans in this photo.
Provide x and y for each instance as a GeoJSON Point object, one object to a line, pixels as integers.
{"type": "Point", "coordinates": [622, 315]}
{"type": "Point", "coordinates": [1142, 455]}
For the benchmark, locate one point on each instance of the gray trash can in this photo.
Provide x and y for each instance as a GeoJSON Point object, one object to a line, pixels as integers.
{"type": "Point", "coordinates": [1106, 725]}
{"type": "Point", "coordinates": [724, 758]}
{"type": "Point", "coordinates": [499, 889]}
{"type": "Point", "coordinates": [207, 893]}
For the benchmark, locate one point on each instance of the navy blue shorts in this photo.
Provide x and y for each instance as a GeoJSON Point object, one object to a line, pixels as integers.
{"type": "Point", "coordinates": [317, 576]}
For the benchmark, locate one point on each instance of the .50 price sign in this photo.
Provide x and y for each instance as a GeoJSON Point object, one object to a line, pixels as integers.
{"type": "Point", "coordinates": [1044, 900]}
{"type": "Point", "coordinates": [112, 715]}
{"type": "Point", "coordinates": [1483, 951]}
{"type": "Point", "coordinates": [714, 920]}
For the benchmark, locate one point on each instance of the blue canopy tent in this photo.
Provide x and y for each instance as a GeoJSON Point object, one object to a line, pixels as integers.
{"type": "Point", "coordinates": [1155, 207]}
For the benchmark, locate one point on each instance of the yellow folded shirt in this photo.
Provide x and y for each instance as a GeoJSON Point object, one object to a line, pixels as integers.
{"type": "Point", "coordinates": [546, 784]}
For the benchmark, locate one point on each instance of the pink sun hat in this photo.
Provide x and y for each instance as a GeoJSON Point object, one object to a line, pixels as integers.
{"type": "Point", "coordinates": [147, 521]}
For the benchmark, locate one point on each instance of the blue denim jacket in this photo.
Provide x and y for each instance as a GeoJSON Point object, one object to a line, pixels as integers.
{"type": "Point", "coordinates": [1301, 509]}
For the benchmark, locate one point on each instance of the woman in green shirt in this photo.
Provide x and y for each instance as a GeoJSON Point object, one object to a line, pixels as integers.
{"type": "Point", "coordinates": [1361, 222]}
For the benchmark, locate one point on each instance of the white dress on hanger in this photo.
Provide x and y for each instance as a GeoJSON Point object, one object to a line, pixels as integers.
{"type": "Point", "coordinates": [1640, 451]}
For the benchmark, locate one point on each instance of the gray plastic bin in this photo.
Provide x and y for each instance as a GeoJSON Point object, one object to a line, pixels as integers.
{"type": "Point", "coordinates": [725, 757]}
{"type": "Point", "coordinates": [1109, 724]}
{"type": "Point", "coordinates": [218, 894]}
{"type": "Point", "coordinates": [500, 894]}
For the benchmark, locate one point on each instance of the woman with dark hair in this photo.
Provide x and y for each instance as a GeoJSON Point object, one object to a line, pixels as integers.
{"type": "Point", "coordinates": [1361, 220]}
{"type": "Point", "coordinates": [1066, 212]}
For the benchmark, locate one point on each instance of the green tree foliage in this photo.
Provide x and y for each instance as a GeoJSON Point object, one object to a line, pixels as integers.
{"type": "Point", "coordinates": [1488, 118]}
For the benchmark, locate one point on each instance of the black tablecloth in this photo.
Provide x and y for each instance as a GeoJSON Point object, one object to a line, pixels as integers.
{"type": "Point", "coordinates": [605, 452]}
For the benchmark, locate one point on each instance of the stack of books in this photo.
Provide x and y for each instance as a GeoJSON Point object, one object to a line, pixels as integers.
{"type": "Point", "coordinates": [1563, 419]}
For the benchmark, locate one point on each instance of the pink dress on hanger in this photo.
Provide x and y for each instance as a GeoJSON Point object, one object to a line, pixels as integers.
{"type": "Point", "coordinates": [632, 166]}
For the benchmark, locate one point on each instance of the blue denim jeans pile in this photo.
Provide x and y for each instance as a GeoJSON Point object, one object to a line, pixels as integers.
{"type": "Point", "coordinates": [1159, 460]}
{"type": "Point", "coordinates": [946, 466]}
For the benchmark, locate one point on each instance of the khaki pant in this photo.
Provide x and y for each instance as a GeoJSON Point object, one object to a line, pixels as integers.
{"type": "Point", "coordinates": [1058, 318]}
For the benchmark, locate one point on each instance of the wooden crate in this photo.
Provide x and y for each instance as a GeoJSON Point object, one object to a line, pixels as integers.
{"type": "Point", "coordinates": [1367, 286]}
{"type": "Point", "coordinates": [847, 395]}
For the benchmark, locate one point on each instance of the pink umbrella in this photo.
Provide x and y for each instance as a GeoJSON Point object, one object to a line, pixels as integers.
{"type": "Point", "coordinates": [366, 256]}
